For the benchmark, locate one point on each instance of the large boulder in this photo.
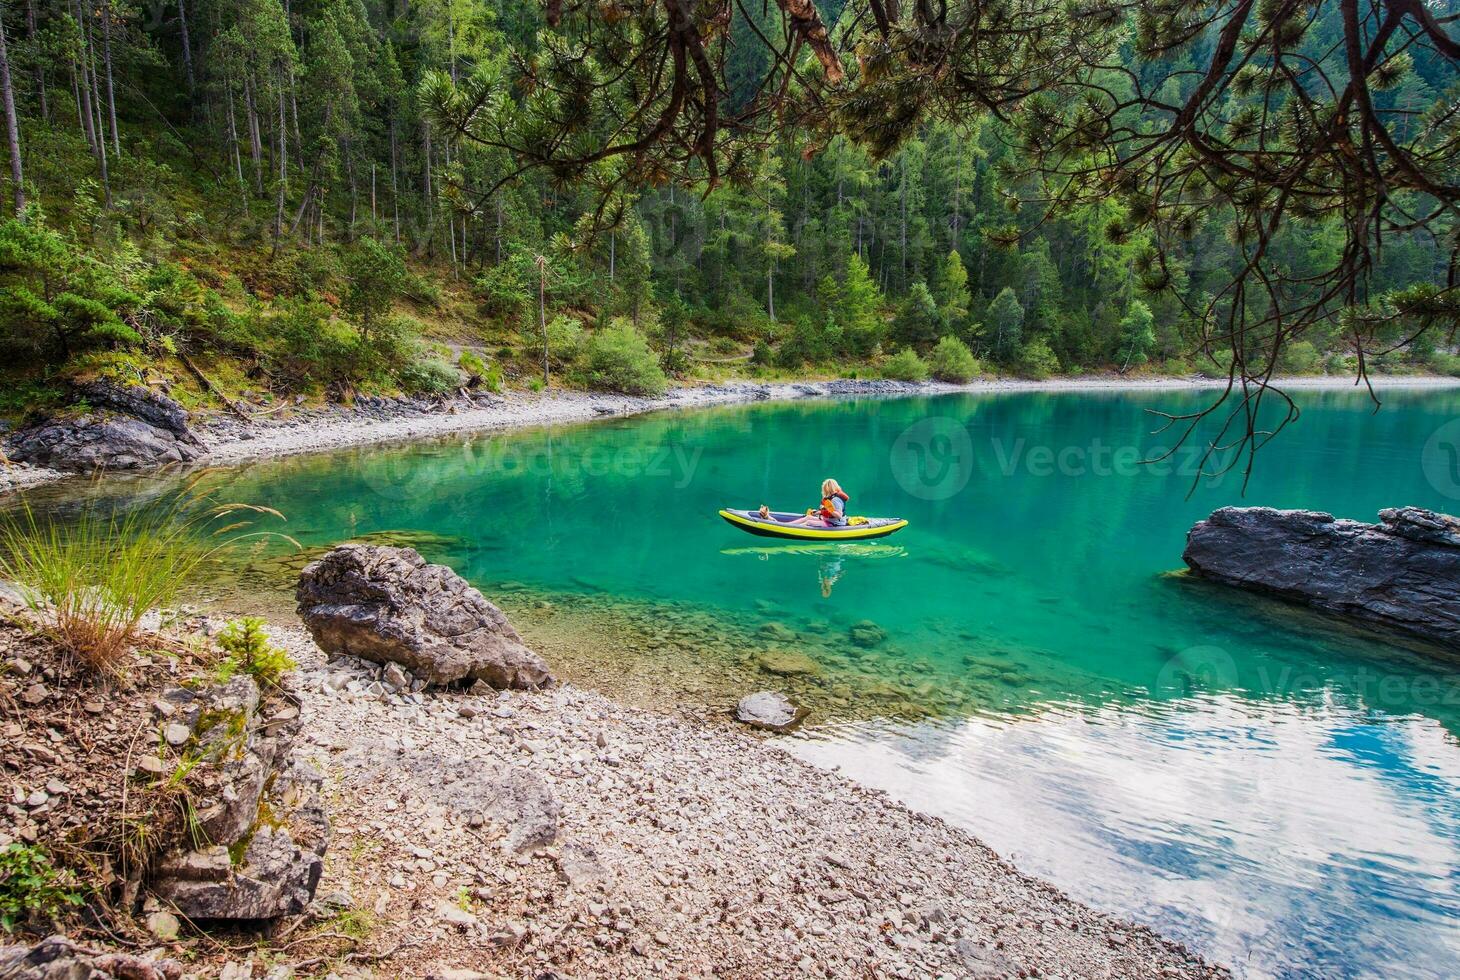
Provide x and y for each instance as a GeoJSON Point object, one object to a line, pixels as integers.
{"type": "Point", "coordinates": [1401, 574]}
{"type": "Point", "coordinates": [388, 605]}
{"type": "Point", "coordinates": [117, 427]}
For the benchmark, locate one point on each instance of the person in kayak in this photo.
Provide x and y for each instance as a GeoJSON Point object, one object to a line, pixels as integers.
{"type": "Point", "coordinates": [833, 512]}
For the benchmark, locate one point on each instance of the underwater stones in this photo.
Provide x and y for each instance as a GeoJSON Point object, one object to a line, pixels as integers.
{"type": "Point", "coordinates": [769, 711]}
{"type": "Point", "coordinates": [1402, 574]}
{"type": "Point", "coordinates": [779, 632]}
{"type": "Point", "coordinates": [387, 605]}
{"type": "Point", "coordinates": [787, 663]}
{"type": "Point", "coordinates": [866, 634]}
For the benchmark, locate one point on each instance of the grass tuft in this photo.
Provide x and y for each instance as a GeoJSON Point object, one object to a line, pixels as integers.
{"type": "Point", "coordinates": [91, 579]}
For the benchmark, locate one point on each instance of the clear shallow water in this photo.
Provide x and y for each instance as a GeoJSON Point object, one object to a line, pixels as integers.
{"type": "Point", "coordinates": [1282, 792]}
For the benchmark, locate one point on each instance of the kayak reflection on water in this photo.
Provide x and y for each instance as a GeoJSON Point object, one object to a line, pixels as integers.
{"type": "Point", "coordinates": [831, 559]}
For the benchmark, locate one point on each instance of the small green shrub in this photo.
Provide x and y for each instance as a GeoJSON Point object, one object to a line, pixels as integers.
{"type": "Point", "coordinates": [1300, 357]}
{"type": "Point", "coordinates": [1037, 361]}
{"type": "Point", "coordinates": [492, 380]}
{"type": "Point", "coordinates": [810, 341]}
{"type": "Point", "coordinates": [488, 375]}
{"type": "Point", "coordinates": [618, 358]}
{"type": "Point", "coordinates": [951, 360]}
{"type": "Point", "coordinates": [762, 354]}
{"type": "Point", "coordinates": [31, 885]}
{"type": "Point", "coordinates": [905, 365]}
{"type": "Point", "coordinates": [1443, 363]}
{"type": "Point", "coordinates": [564, 340]}
{"type": "Point", "coordinates": [675, 362]}
{"type": "Point", "coordinates": [472, 364]}
{"type": "Point", "coordinates": [249, 651]}
{"type": "Point", "coordinates": [427, 376]}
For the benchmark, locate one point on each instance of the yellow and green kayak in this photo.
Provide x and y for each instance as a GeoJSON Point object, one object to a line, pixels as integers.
{"type": "Point", "coordinates": [778, 525]}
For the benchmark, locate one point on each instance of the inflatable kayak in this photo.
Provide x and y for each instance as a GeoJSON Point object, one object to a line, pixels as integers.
{"type": "Point", "coordinates": [778, 525]}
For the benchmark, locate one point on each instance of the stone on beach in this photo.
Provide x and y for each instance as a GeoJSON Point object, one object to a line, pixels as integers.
{"type": "Point", "coordinates": [388, 605]}
{"type": "Point", "coordinates": [769, 710]}
{"type": "Point", "coordinates": [1402, 574]}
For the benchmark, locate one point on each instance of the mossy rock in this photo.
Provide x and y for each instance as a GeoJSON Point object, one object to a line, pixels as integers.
{"type": "Point", "coordinates": [779, 632]}
{"type": "Point", "coordinates": [787, 663]}
{"type": "Point", "coordinates": [867, 634]}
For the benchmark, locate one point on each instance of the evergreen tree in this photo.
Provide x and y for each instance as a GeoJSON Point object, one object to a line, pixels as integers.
{"type": "Point", "coordinates": [1137, 336]}
{"type": "Point", "coordinates": [1004, 326]}
{"type": "Point", "coordinates": [950, 289]}
{"type": "Point", "coordinates": [918, 322]}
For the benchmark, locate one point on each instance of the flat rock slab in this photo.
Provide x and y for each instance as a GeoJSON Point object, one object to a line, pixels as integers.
{"type": "Point", "coordinates": [770, 711]}
{"type": "Point", "coordinates": [1402, 573]}
{"type": "Point", "coordinates": [388, 605]}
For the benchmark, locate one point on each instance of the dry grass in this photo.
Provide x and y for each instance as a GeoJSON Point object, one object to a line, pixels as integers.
{"type": "Point", "coordinates": [91, 578]}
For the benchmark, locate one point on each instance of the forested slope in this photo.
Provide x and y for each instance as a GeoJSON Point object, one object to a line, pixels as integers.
{"type": "Point", "coordinates": [285, 192]}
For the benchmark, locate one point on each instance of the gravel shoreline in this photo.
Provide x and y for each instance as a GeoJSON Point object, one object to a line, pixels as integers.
{"type": "Point", "coordinates": [385, 420]}
{"type": "Point", "coordinates": [401, 420]}
{"type": "Point", "coordinates": [683, 849]}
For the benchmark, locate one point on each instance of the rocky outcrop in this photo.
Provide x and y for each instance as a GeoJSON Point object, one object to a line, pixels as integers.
{"type": "Point", "coordinates": [388, 605]}
{"type": "Point", "coordinates": [111, 426]}
{"type": "Point", "coordinates": [59, 958]}
{"type": "Point", "coordinates": [1402, 573]}
{"type": "Point", "coordinates": [769, 711]}
{"type": "Point", "coordinates": [256, 801]}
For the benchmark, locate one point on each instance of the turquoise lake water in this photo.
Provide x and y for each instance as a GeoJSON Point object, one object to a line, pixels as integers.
{"type": "Point", "coordinates": [1279, 791]}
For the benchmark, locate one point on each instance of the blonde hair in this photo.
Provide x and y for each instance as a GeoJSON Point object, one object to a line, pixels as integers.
{"type": "Point", "coordinates": [830, 486]}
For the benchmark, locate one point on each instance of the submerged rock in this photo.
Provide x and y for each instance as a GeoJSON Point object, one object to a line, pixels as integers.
{"type": "Point", "coordinates": [866, 634]}
{"type": "Point", "coordinates": [388, 605]}
{"type": "Point", "coordinates": [787, 663]}
{"type": "Point", "coordinates": [770, 711]}
{"type": "Point", "coordinates": [1402, 574]}
{"type": "Point", "coordinates": [123, 427]}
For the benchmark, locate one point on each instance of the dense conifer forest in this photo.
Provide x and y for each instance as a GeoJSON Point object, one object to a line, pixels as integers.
{"type": "Point", "coordinates": [329, 196]}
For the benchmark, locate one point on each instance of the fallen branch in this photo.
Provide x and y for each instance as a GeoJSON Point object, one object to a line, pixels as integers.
{"type": "Point", "coordinates": [357, 957]}
{"type": "Point", "coordinates": [210, 387]}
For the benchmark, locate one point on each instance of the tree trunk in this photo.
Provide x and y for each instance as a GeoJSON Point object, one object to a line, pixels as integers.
{"type": "Point", "coordinates": [283, 172]}
{"type": "Point", "coordinates": [426, 168]}
{"type": "Point", "coordinates": [84, 84]}
{"type": "Point", "coordinates": [111, 92]}
{"type": "Point", "coordinates": [187, 45]}
{"type": "Point", "coordinates": [12, 124]}
{"type": "Point", "coordinates": [255, 136]}
{"type": "Point", "coordinates": [770, 289]}
{"type": "Point", "coordinates": [40, 68]}
{"type": "Point", "coordinates": [233, 138]}
{"type": "Point", "coordinates": [395, 178]}
{"type": "Point", "coordinates": [902, 194]}
{"type": "Point", "coordinates": [542, 315]}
